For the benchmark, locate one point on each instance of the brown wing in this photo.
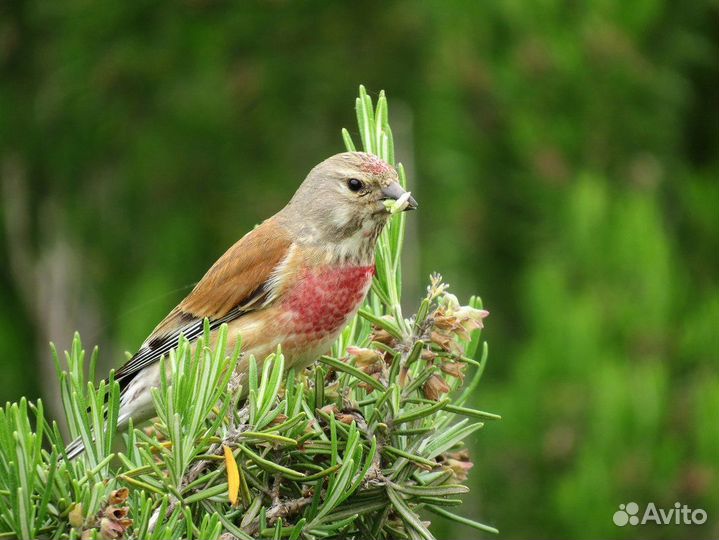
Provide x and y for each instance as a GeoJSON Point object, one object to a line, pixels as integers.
{"type": "Point", "coordinates": [243, 269]}
{"type": "Point", "coordinates": [237, 283]}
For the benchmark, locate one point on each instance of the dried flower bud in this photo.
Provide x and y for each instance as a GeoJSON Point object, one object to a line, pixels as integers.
{"type": "Point", "coordinates": [451, 318]}
{"type": "Point", "coordinates": [119, 496]}
{"type": "Point", "coordinates": [470, 319]}
{"type": "Point", "coordinates": [279, 419]}
{"type": "Point", "coordinates": [434, 388]}
{"type": "Point", "coordinates": [453, 369]}
{"type": "Point", "coordinates": [75, 516]}
{"type": "Point", "coordinates": [374, 369]}
{"type": "Point", "coordinates": [111, 530]}
{"type": "Point", "coordinates": [311, 426]}
{"type": "Point", "coordinates": [443, 341]}
{"type": "Point", "coordinates": [459, 463]}
{"type": "Point", "coordinates": [345, 418]}
{"type": "Point", "coordinates": [364, 357]}
{"type": "Point", "coordinates": [403, 376]}
{"type": "Point", "coordinates": [330, 409]}
{"type": "Point", "coordinates": [428, 355]}
{"type": "Point", "coordinates": [382, 336]}
{"type": "Point", "coordinates": [462, 454]}
{"type": "Point", "coordinates": [460, 469]}
{"type": "Point", "coordinates": [116, 513]}
{"type": "Point", "coordinates": [473, 314]}
{"type": "Point", "coordinates": [444, 323]}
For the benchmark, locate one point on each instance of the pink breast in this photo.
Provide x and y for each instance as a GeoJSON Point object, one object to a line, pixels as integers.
{"type": "Point", "coordinates": [325, 297]}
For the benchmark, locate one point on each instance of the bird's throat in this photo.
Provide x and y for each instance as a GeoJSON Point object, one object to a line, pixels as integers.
{"type": "Point", "coordinates": [356, 250]}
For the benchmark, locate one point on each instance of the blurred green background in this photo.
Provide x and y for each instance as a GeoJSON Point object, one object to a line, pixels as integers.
{"type": "Point", "coordinates": [564, 155]}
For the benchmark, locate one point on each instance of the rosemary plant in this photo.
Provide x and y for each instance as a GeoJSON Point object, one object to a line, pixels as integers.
{"type": "Point", "coordinates": [367, 443]}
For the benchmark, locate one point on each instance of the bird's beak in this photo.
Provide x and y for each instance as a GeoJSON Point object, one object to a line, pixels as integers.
{"type": "Point", "coordinates": [395, 192]}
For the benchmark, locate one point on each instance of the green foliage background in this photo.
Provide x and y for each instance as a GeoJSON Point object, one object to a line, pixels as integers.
{"type": "Point", "coordinates": [564, 156]}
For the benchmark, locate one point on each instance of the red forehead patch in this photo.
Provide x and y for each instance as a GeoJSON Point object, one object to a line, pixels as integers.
{"type": "Point", "coordinates": [374, 165]}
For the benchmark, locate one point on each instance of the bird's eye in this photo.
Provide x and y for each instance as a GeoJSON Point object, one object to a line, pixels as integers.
{"type": "Point", "coordinates": [354, 185]}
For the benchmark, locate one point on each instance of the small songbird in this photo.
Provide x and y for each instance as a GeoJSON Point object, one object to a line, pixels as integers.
{"type": "Point", "coordinates": [295, 280]}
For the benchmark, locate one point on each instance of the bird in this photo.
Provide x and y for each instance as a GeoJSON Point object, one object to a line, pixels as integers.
{"type": "Point", "coordinates": [295, 280]}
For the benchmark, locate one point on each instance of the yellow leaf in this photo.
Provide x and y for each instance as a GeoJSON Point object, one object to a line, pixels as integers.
{"type": "Point", "coordinates": [233, 475]}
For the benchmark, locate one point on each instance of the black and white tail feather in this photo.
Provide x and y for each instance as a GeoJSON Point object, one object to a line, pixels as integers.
{"type": "Point", "coordinates": [137, 377]}
{"type": "Point", "coordinates": [142, 372]}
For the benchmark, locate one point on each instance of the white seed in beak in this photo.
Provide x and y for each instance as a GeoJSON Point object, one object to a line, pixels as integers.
{"type": "Point", "coordinates": [394, 207]}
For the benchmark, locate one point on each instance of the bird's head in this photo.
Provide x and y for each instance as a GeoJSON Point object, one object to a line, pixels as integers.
{"type": "Point", "coordinates": [343, 200]}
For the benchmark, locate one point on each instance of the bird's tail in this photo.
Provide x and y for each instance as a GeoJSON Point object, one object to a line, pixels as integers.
{"type": "Point", "coordinates": [75, 448]}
